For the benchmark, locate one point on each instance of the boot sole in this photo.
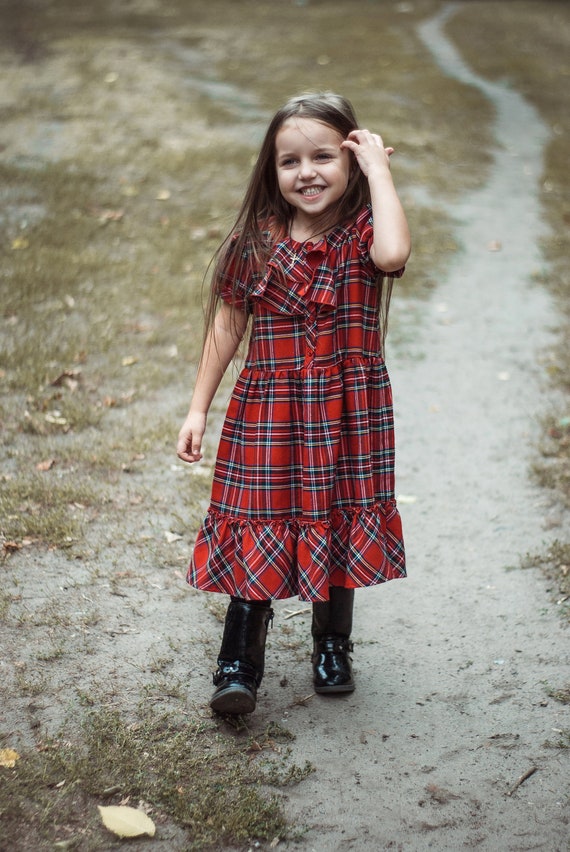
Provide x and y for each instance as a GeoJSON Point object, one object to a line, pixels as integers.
{"type": "Point", "coordinates": [328, 690]}
{"type": "Point", "coordinates": [235, 701]}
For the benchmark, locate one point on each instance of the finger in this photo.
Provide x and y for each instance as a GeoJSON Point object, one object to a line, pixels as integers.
{"type": "Point", "coordinates": [355, 135]}
{"type": "Point", "coordinates": [185, 450]}
{"type": "Point", "coordinates": [189, 456]}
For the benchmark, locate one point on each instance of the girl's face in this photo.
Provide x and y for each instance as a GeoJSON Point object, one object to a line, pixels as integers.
{"type": "Point", "coordinates": [312, 169]}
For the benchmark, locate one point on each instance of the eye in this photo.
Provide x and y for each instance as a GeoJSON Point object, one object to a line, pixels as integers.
{"type": "Point", "coordinates": [287, 162]}
{"type": "Point", "coordinates": [323, 156]}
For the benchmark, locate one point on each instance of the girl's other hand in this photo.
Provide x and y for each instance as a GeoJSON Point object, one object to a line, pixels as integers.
{"type": "Point", "coordinates": [189, 444]}
{"type": "Point", "coordinates": [369, 150]}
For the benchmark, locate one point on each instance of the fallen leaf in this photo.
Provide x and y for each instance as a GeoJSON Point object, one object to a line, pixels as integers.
{"type": "Point", "coordinates": [20, 243]}
{"type": "Point", "coordinates": [104, 215]}
{"type": "Point", "coordinates": [8, 757]}
{"type": "Point", "coordinates": [55, 418]}
{"type": "Point", "coordinates": [126, 822]}
{"type": "Point", "coordinates": [129, 361]}
{"type": "Point", "coordinates": [163, 195]}
{"type": "Point", "coordinates": [68, 377]}
{"type": "Point", "coordinates": [45, 465]}
{"type": "Point", "coordinates": [171, 537]}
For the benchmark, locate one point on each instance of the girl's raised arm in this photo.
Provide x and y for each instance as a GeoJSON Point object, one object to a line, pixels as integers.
{"type": "Point", "coordinates": [392, 243]}
{"type": "Point", "coordinates": [219, 348]}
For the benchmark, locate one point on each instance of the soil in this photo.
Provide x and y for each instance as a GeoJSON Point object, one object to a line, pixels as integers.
{"type": "Point", "coordinates": [450, 739]}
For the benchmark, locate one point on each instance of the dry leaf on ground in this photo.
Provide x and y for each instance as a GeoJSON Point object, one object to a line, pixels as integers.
{"type": "Point", "coordinates": [8, 757]}
{"type": "Point", "coordinates": [126, 822]}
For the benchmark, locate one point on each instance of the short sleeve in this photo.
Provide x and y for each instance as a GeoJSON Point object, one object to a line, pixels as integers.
{"type": "Point", "coordinates": [239, 277]}
{"type": "Point", "coordinates": [235, 273]}
{"type": "Point", "coordinates": [365, 230]}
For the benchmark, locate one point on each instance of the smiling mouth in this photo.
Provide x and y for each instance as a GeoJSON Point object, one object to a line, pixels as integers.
{"type": "Point", "coordinates": [310, 191]}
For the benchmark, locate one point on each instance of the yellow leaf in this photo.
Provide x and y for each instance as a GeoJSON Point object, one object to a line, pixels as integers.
{"type": "Point", "coordinates": [129, 360]}
{"type": "Point", "coordinates": [126, 822]}
{"type": "Point", "coordinates": [20, 243]}
{"type": "Point", "coordinates": [8, 757]}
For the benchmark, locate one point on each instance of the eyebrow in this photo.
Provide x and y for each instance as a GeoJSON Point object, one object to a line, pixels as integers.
{"type": "Point", "coordinates": [318, 149]}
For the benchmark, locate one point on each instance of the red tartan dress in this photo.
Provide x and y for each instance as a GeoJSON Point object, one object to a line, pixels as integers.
{"type": "Point", "coordinates": [303, 489]}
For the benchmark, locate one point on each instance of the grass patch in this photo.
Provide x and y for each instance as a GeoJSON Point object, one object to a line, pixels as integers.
{"type": "Point", "coordinates": [552, 470]}
{"type": "Point", "coordinates": [563, 741]}
{"type": "Point", "coordinates": [562, 694]}
{"type": "Point", "coordinates": [211, 784]}
{"type": "Point", "coordinates": [47, 511]}
{"type": "Point", "coordinates": [92, 281]}
{"type": "Point", "coordinates": [555, 564]}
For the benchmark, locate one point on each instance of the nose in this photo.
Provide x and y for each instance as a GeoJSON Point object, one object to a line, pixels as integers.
{"type": "Point", "coordinates": [306, 170]}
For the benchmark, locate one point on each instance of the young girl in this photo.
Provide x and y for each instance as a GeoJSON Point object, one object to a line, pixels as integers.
{"type": "Point", "coordinates": [303, 492]}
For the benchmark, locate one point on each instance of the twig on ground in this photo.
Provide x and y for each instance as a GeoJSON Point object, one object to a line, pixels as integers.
{"type": "Point", "coordinates": [291, 613]}
{"type": "Point", "coordinates": [301, 701]}
{"type": "Point", "coordinates": [522, 779]}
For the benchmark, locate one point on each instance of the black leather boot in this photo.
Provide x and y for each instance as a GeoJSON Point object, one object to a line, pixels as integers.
{"type": "Point", "coordinates": [331, 628]}
{"type": "Point", "coordinates": [241, 661]}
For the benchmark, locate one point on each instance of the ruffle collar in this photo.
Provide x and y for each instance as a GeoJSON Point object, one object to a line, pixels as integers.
{"type": "Point", "coordinates": [300, 274]}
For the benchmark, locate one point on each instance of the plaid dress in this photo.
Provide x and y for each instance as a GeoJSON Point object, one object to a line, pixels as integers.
{"type": "Point", "coordinates": [303, 489]}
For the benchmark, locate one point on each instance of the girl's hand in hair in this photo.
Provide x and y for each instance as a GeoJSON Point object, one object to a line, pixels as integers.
{"type": "Point", "coordinates": [391, 244]}
{"type": "Point", "coordinates": [369, 150]}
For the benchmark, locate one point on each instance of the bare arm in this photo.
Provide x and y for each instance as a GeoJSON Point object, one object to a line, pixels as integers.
{"type": "Point", "coordinates": [220, 347]}
{"type": "Point", "coordinates": [392, 243]}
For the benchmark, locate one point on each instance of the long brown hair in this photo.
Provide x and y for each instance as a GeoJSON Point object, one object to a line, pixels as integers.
{"type": "Point", "coordinates": [264, 206]}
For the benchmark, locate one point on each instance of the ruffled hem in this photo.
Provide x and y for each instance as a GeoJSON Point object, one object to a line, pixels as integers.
{"type": "Point", "coordinates": [276, 559]}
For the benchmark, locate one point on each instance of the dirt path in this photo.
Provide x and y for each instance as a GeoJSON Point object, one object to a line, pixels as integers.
{"type": "Point", "coordinates": [453, 664]}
